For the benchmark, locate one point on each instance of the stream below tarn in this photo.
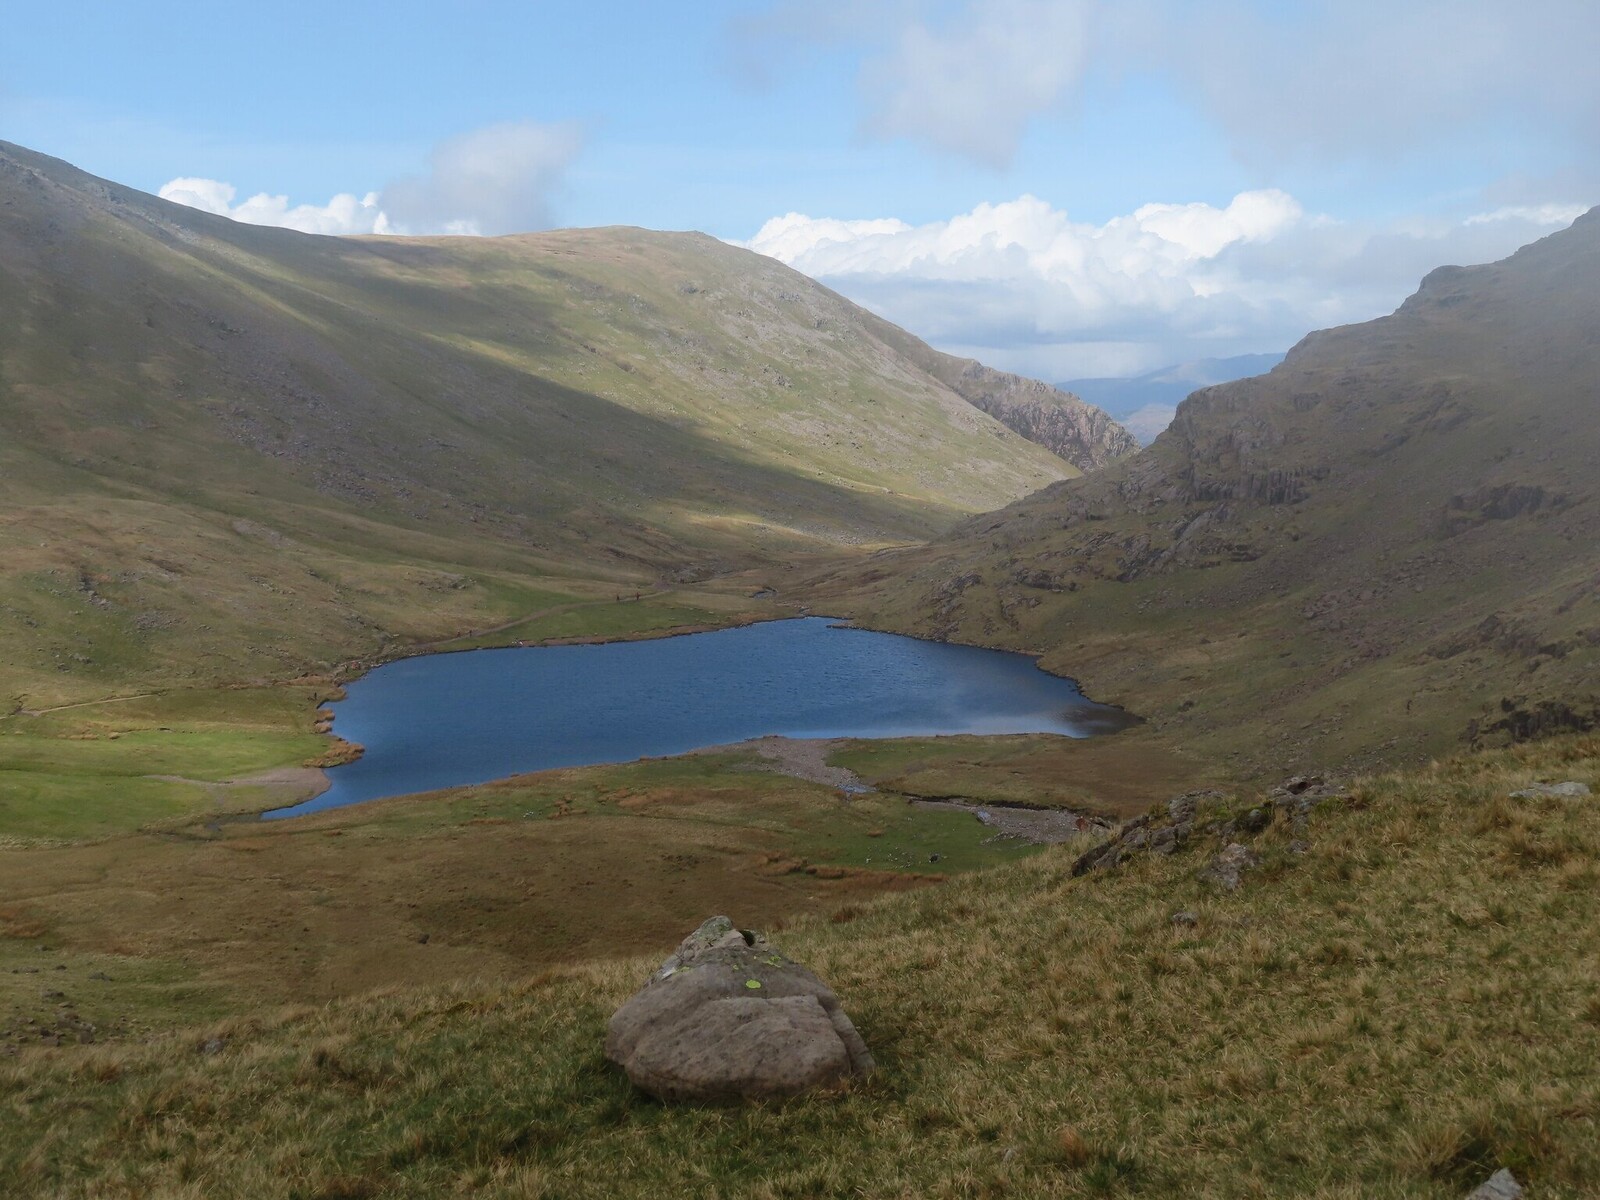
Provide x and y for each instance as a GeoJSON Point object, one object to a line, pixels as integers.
{"type": "Point", "coordinates": [449, 720]}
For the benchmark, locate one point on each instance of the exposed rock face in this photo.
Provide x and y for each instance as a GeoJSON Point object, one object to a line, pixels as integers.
{"type": "Point", "coordinates": [1207, 814]}
{"type": "Point", "coordinates": [1502, 1185]}
{"type": "Point", "coordinates": [727, 1017]}
{"type": "Point", "coordinates": [1226, 870]}
{"type": "Point", "coordinates": [1062, 423]}
{"type": "Point", "coordinates": [1572, 789]}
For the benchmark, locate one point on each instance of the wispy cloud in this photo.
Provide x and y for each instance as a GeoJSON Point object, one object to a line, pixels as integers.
{"type": "Point", "coordinates": [495, 180]}
{"type": "Point", "coordinates": [1356, 79]}
{"type": "Point", "coordinates": [499, 179]}
{"type": "Point", "coordinates": [972, 86]}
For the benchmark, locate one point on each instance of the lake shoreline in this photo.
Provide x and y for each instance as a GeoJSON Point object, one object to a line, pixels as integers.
{"type": "Point", "coordinates": [980, 695]}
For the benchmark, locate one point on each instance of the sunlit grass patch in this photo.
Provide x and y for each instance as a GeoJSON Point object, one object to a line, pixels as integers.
{"type": "Point", "coordinates": [104, 768]}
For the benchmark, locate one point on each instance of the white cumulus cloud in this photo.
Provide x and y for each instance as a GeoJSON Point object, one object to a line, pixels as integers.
{"type": "Point", "coordinates": [344, 214]}
{"type": "Point", "coordinates": [490, 181]}
{"type": "Point", "coordinates": [1022, 285]}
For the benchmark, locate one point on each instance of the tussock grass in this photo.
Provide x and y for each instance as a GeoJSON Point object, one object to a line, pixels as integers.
{"type": "Point", "coordinates": [1396, 1012]}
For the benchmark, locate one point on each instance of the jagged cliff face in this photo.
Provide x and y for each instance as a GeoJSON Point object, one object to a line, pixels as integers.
{"type": "Point", "coordinates": [1354, 555]}
{"type": "Point", "coordinates": [1059, 421]}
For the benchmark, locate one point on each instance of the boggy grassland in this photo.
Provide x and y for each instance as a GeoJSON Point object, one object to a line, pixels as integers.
{"type": "Point", "coordinates": [501, 879]}
{"type": "Point", "coordinates": [1394, 1010]}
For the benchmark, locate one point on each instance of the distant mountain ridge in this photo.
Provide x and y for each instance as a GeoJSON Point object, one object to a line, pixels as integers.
{"type": "Point", "coordinates": [1146, 403]}
{"type": "Point", "coordinates": [1388, 543]}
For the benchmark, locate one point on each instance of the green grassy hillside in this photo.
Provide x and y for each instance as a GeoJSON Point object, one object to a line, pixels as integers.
{"type": "Point", "coordinates": [233, 458]}
{"type": "Point", "coordinates": [229, 452]}
{"type": "Point", "coordinates": [1388, 544]}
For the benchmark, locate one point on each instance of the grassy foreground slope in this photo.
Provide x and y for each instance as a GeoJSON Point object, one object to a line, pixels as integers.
{"type": "Point", "coordinates": [1396, 1009]}
{"type": "Point", "coordinates": [230, 452]}
{"type": "Point", "coordinates": [496, 881]}
{"type": "Point", "coordinates": [1389, 542]}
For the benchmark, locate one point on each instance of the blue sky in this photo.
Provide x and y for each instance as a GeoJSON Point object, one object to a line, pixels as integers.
{"type": "Point", "coordinates": [1003, 149]}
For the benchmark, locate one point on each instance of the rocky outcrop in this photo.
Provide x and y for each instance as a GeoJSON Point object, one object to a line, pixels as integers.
{"type": "Point", "coordinates": [1571, 789]}
{"type": "Point", "coordinates": [1213, 814]}
{"type": "Point", "coordinates": [727, 1017]}
{"type": "Point", "coordinates": [1062, 423]}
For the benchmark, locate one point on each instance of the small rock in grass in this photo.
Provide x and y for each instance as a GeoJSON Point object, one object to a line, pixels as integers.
{"type": "Point", "coordinates": [1185, 918]}
{"type": "Point", "coordinates": [1569, 790]}
{"type": "Point", "coordinates": [214, 1045]}
{"type": "Point", "coordinates": [1183, 808]}
{"type": "Point", "coordinates": [1298, 785]}
{"type": "Point", "coordinates": [1502, 1185]}
{"type": "Point", "coordinates": [1255, 820]}
{"type": "Point", "coordinates": [1167, 841]}
{"type": "Point", "coordinates": [1228, 866]}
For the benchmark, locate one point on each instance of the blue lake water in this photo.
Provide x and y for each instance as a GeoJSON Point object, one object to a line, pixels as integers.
{"type": "Point", "coordinates": [447, 720]}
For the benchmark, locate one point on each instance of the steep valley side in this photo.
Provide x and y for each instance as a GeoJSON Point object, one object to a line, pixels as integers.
{"type": "Point", "coordinates": [237, 453]}
{"type": "Point", "coordinates": [1386, 546]}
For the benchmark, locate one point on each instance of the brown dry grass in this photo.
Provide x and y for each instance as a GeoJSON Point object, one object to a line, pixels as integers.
{"type": "Point", "coordinates": [1395, 1013]}
{"type": "Point", "coordinates": [1117, 776]}
{"type": "Point", "coordinates": [501, 879]}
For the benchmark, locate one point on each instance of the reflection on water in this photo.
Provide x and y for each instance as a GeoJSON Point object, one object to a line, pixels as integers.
{"type": "Point", "coordinates": [446, 720]}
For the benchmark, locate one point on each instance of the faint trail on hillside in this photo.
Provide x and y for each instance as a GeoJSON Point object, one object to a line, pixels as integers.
{"type": "Point", "coordinates": [799, 758]}
{"type": "Point", "coordinates": [39, 712]}
{"type": "Point", "coordinates": [638, 598]}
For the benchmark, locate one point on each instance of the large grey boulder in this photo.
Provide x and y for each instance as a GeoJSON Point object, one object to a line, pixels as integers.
{"type": "Point", "coordinates": [728, 1017]}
